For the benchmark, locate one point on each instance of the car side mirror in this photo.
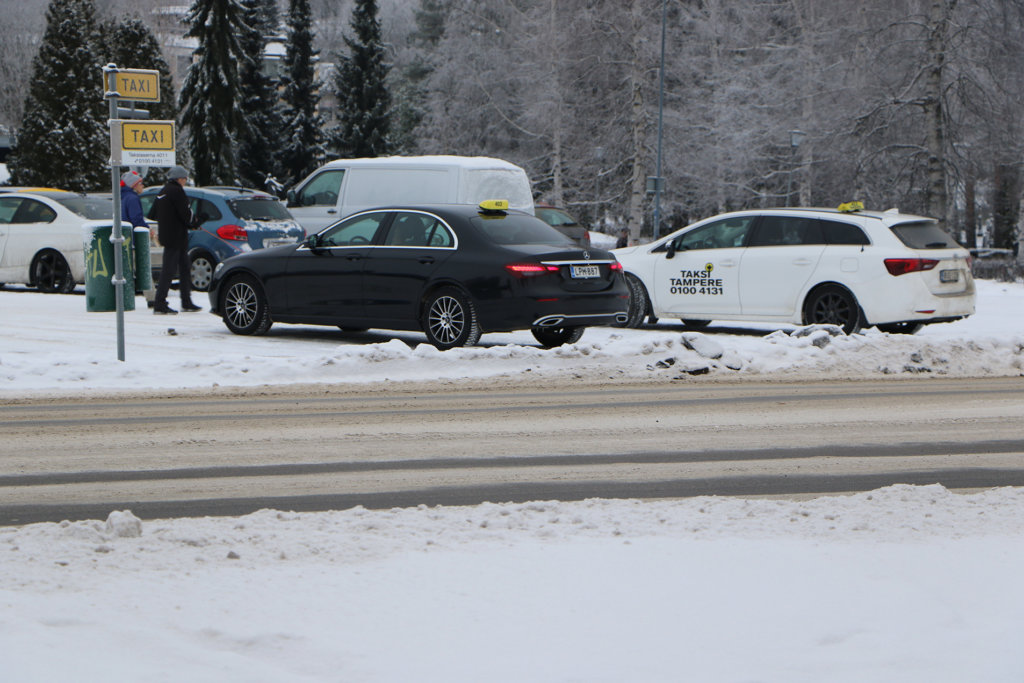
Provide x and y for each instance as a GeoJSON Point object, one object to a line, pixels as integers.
{"type": "Point", "coordinates": [670, 249]}
{"type": "Point", "coordinates": [291, 197]}
{"type": "Point", "coordinates": [313, 242]}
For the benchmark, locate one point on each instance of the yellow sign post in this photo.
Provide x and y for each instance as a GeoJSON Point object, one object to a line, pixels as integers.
{"type": "Point", "coordinates": [132, 143]}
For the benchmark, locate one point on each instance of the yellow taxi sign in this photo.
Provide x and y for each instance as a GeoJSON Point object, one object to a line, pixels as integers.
{"type": "Point", "coordinates": [141, 85]}
{"type": "Point", "coordinates": [494, 205]}
{"type": "Point", "coordinates": [139, 135]}
{"type": "Point", "coordinates": [142, 143]}
{"type": "Point", "coordinates": [850, 207]}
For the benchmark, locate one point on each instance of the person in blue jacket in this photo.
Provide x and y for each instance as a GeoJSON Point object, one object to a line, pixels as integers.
{"type": "Point", "coordinates": [131, 205]}
{"type": "Point", "coordinates": [131, 210]}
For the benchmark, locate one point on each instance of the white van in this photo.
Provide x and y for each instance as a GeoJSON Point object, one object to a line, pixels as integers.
{"type": "Point", "coordinates": [344, 186]}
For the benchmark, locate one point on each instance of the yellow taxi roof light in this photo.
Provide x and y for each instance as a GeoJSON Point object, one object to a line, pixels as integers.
{"type": "Point", "coordinates": [850, 207]}
{"type": "Point", "coordinates": [494, 205]}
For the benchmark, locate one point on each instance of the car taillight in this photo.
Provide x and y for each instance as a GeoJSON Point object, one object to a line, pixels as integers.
{"type": "Point", "coordinates": [902, 266]}
{"type": "Point", "coordinates": [615, 266]}
{"type": "Point", "coordinates": [586, 238]}
{"type": "Point", "coordinates": [233, 232]}
{"type": "Point", "coordinates": [530, 269]}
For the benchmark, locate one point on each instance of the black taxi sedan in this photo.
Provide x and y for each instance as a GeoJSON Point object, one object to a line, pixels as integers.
{"type": "Point", "coordinates": [453, 272]}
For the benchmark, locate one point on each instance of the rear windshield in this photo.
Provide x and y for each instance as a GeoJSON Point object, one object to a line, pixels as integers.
{"type": "Point", "coordinates": [93, 208]}
{"type": "Point", "coordinates": [260, 209]}
{"type": "Point", "coordinates": [518, 229]}
{"type": "Point", "coordinates": [924, 235]}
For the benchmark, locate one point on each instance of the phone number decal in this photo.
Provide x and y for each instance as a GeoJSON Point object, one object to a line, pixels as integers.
{"type": "Point", "coordinates": [696, 282]}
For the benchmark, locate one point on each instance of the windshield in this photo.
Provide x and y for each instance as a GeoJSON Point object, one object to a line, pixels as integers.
{"type": "Point", "coordinates": [518, 229]}
{"type": "Point", "coordinates": [924, 235]}
{"type": "Point", "coordinates": [260, 209]}
{"type": "Point", "coordinates": [93, 208]}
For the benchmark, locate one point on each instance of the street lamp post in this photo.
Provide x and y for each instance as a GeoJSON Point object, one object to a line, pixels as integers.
{"type": "Point", "coordinates": [795, 138]}
{"type": "Point", "coordinates": [659, 182]}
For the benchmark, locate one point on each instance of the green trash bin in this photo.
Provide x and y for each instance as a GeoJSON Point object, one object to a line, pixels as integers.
{"type": "Point", "coordinates": [99, 269]}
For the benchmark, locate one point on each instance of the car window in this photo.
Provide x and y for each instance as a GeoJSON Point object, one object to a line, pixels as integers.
{"type": "Point", "coordinates": [322, 190]}
{"type": "Point", "coordinates": [32, 211]}
{"type": "Point", "coordinates": [723, 234]}
{"type": "Point", "coordinates": [417, 230]}
{"type": "Point", "coordinates": [259, 209]}
{"type": "Point", "coordinates": [93, 208]}
{"type": "Point", "coordinates": [201, 206]}
{"type": "Point", "coordinates": [786, 231]}
{"type": "Point", "coordinates": [923, 235]}
{"type": "Point", "coordinates": [513, 228]}
{"type": "Point", "coordinates": [837, 232]}
{"type": "Point", "coordinates": [353, 232]}
{"type": "Point", "coordinates": [8, 205]}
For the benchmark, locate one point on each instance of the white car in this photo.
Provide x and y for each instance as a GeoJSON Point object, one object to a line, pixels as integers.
{"type": "Point", "coordinates": [850, 268]}
{"type": "Point", "coordinates": [41, 242]}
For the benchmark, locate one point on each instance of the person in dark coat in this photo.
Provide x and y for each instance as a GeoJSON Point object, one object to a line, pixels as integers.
{"type": "Point", "coordinates": [174, 219]}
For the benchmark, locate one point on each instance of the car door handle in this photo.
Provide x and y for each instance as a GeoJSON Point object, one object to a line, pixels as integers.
{"type": "Point", "coordinates": [727, 263]}
{"type": "Point", "coordinates": [426, 260]}
{"type": "Point", "coordinates": [332, 211]}
{"type": "Point", "coordinates": [802, 262]}
{"type": "Point", "coordinates": [353, 257]}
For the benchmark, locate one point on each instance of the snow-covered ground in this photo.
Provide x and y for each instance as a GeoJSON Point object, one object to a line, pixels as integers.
{"type": "Point", "coordinates": [50, 344]}
{"type": "Point", "coordinates": [899, 584]}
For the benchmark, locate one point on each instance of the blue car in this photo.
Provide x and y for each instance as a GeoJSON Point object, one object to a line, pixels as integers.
{"type": "Point", "coordinates": [235, 220]}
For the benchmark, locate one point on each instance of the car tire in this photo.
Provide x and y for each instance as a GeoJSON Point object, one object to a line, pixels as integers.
{"type": "Point", "coordinates": [639, 303]}
{"type": "Point", "coordinates": [51, 273]}
{"type": "Point", "coordinates": [244, 306]}
{"type": "Point", "coordinates": [900, 328]}
{"type": "Point", "coordinates": [550, 337]}
{"type": "Point", "coordinates": [201, 266]}
{"type": "Point", "coordinates": [449, 319]}
{"type": "Point", "coordinates": [833, 305]}
{"type": "Point", "coordinates": [696, 324]}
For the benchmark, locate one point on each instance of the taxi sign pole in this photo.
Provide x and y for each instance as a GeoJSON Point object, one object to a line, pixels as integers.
{"type": "Point", "coordinates": [110, 70]}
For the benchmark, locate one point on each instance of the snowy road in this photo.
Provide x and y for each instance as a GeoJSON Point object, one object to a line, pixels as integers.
{"type": "Point", "coordinates": [311, 448]}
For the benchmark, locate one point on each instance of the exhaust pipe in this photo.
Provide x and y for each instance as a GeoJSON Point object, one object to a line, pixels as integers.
{"type": "Point", "coordinates": [621, 318]}
{"type": "Point", "coordinates": [549, 321]}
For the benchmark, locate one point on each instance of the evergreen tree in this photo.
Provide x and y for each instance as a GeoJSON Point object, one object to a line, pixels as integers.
{"type": "Point", "coordinates": [211, 96]}
{"type": "Point", "coordinates": [304, 149]}
{"type": "Point", "coordinates": [131, 45]}
{"type": "Point", "coordinates": [260, 145]}
{"type": "Point", "coordinates": [410, 89]}
{"type": "Point", "coordinates": [361, 84]}
{"type": "Point", "coordinates": [64, 140]}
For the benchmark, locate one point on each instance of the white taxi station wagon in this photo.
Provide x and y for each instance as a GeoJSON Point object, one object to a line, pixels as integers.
{"type": "Point", "coordinates": [845, 267]}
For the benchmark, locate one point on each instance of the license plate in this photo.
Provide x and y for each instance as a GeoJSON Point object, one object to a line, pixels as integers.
{"type": "Point", "coordinates": [585, 271]}
{"type": "Point", "coordinates": [949, 276]}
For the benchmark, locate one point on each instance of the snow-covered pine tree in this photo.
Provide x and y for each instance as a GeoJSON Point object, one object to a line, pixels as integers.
{"type": "Point", "coordinates": [130, 44]}
{"type": "Point", "coordinates": [361, 83]}
{"type": "Point", "coordinates": [63, 140]}
{"type": "Point", "coordinates": [261, 146]}
{"type": "Point", "coordinates": [409, 82]}
{"type": "Point", "coordinates": [211, 96]}
{"type": "Point", "coordinates": [304, 149]}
